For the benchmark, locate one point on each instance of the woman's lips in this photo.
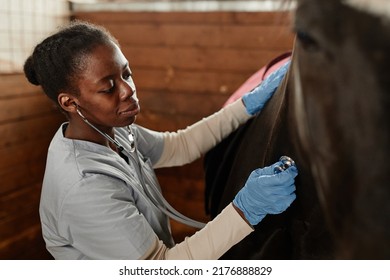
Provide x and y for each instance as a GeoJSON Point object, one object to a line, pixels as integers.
{"type": "Point", "coordinates": [131, 111]}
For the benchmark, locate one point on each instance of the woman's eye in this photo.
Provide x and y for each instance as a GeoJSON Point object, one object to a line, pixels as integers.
{"type": "Point", "coordinates": [108, 87]}
{"type": "Point", "coordinates": [127, 76]}
{"type": "Point", "coordinates": [109, 90]}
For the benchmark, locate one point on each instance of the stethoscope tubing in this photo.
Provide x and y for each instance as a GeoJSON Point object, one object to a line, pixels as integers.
{"type": "Point", "coordinates": [160, 202]}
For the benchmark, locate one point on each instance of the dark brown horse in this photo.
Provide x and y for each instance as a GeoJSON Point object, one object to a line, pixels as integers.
{"type": "Point", "coordinates": [330, 116]}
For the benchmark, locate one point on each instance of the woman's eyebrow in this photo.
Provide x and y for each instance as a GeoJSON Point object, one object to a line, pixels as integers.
{"type": "Point", "coordinates": [126, 65]}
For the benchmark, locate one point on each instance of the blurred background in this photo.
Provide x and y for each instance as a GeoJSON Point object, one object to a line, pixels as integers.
{"type": "Point", "coordinates": [187, 58]}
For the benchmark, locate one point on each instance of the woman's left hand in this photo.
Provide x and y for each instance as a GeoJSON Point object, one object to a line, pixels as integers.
{"type": "Point", "coordinates": [255, 100]}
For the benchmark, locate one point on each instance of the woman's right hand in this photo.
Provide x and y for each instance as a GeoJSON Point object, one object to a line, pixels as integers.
{"type": "Point", "coordinates": [266, 193]}
{"type": "Point", "coordinates": [256, 99]}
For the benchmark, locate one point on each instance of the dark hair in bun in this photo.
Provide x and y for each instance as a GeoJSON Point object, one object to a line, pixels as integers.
{"type": "Point", "coordinates": [58, 59]}
{"type": "Point", "coordinates": [29, 71]}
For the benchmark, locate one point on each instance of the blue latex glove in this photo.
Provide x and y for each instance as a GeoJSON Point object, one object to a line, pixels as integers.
{"type": "Point", "coordinates": [255, 100]}
{"type": "Point", "coordinates": [266, 193]}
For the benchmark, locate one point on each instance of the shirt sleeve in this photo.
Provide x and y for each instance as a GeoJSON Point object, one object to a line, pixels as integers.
{"type": "Point", "coordinates": [209, 243]}
{"type": "Point", "coordinates": [187, 145]}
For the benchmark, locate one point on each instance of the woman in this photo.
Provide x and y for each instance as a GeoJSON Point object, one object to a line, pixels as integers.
{"type": "Point", "coordinates": [100, 197]}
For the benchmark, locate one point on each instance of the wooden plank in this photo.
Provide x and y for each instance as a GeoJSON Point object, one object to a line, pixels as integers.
{"type": "Point", "coordinates": [19, 210]}
{"type": "Point", "coordinates": [23, 148]}
{"type": "Point", "coordinates": [20, 233]}
{"type": "Point", "coordinates": [31, 151]}
{"type": "Point", "coordinates": [25, 245]}
{"type": "Point", "coordinates": [25, 174]}
{"type": "Point", "coordinates": [20, 108]}
{"type": "Point", "coordinates": [177, 189]}
{"type": "Point", "coordinates": [267, 37]}
{"type": "Point", "coordinates": [277, 17]}
{"type": "Point", "coordinates": [189, 104]}
{"type": "Point", "coordinates": [192, 171]}
{"type": "Point", "coordinates": [182, 81]}
{"type": "Point", "coordinates": [192, 58]}
{"type": "Point", "coordinates": [14, 85]}
{"type": "Point", "coordinates": [26, 121]}
{"type": "Point", "coordinates": [164, 122]}
{"type": "Point", "coordinates": [180, 231]}
{"type": "Point", "coordinates": [31, 129]}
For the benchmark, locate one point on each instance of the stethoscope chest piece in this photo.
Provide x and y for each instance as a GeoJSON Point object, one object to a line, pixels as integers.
{"type": "Point", "coordinates": [286, 163]}
{"type": "Point", "coordinates": [131, 139]}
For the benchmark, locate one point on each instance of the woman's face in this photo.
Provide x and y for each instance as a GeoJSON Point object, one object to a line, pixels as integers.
{"type": "Point", "coordinates": [107, 91]}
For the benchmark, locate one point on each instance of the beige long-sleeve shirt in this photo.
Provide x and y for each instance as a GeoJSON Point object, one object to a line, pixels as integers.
{"type": "Point", "coordinates": [184, 146]}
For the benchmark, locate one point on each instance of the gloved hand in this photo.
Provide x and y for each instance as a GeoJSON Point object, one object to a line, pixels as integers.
{"type": "Point", "coordinates": [266, 193]}
{"type": "Point", "coordinates": [255, 100]}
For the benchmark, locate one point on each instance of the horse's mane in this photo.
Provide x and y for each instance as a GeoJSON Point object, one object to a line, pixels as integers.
{"type": "Point", "coordinates": [330, 115]}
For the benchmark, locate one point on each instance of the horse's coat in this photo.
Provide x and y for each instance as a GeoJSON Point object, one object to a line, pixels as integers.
{"type": "Point", "coordinates": [330, 116]}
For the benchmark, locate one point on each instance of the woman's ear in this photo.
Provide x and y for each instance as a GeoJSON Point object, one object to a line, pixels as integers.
{"type": "Point", "coordinates": [67, 102]}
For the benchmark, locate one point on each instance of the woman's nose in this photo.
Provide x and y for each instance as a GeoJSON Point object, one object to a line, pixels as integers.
{"type": "Point", "coordinates": [127, 89]}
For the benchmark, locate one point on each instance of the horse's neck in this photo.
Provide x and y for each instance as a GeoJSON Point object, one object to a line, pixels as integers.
{"type": "Point", "coordinates": [274, 126]}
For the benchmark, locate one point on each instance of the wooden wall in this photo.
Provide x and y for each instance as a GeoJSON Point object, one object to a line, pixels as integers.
{"type": "Point", "coordinates": [28, 121]}
{"type": "Point", "coordinates": [185, 65]}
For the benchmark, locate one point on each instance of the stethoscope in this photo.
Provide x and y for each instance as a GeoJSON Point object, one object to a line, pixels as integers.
{"type": "Point", "coordinates": [153, 194]}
